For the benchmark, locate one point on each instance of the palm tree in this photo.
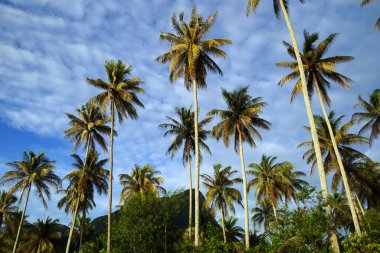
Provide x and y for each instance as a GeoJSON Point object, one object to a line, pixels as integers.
{"type": "Point", "coordinates": [283, 5]}
{"type": "Point", "coordinates": [370, 114]}
{"type": "Point", "coordinates": [263, 214]}
{"type": "Point", "coordinates": [241, 120]}
{"type": "Point", "coordinates": [120, 93]}
{"type": "Point", "coordinates": [88, 177]}
{"type": "Point", "coordinates": [189, 57]}
{"type": "Point", "coordinates": [32, 170]}
{"type": "Point", "coordinates": [272, 181]}
{"type": "Point", "coordinates": [183, 131]}
{"type": "Point", "coordinates": [221, 194]}
{"type": "Point", "coordinates": [40, 236]}
{"type": "Point", "coordinates": [318, 71]}
{"type": "Point", "coordinates": [142, 180]}
{"type": "Point", "coordinates": [89, 127]}
{"type": "Point", "coordinates": [365, 2]}
{"type": "Point", "coordinates": [7, 207]}
{"type": "Point", "coordinates": [233, 232]}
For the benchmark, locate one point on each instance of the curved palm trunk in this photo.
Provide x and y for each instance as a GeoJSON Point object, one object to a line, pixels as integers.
{"type": "Point", "coordinates": [75, 214]}
{"type": "Point", "coordinates": [190, 196]}
{"type": "Point", "coordinates": [274, 213]}
{"type": "Point", "coordinates": [196, 164]}
{"type": "Point", "coordinates": [223, 227]}
{"type": "Point", "coordinates": [322, 176]}
{"type": "Point", "coordinates": [360, 204]}
{"type": "Point", "coordinates": [110, 178]}
{"type": "Point", "coordinates": [22, 219]}
{"type": "Point", "coordinates": [340, 164]}
{"type": "Point", "coordinates": [246, 220]}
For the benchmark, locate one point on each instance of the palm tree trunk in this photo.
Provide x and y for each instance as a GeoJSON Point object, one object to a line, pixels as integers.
{"type": "Point", "coordinates": [340, 164]}
{"type": "Point", "coordinates": [360, 204]}
{"type": "Point", "coordinates": [197, 172]}
{"type": "Point", "coordinates": [246, 220]}
{"type": "Point", "coordinates": [110, 177]}
{"type": "Point", "coordinates": [322, 176]}
{"type": "Point", "coordinates": [274, 213]}
{"type": "Point", "coordinates": [190, 196]}
{"type": "Point", "coordinates": [223, 228]}
{"type": "Point", "coordinates": [75, 214]}
{"type": "Point", "coordinates": [22, 219]}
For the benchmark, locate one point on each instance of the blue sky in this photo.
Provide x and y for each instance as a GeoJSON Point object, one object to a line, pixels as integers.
{"type": "Point", "coordinates": [49, 47]}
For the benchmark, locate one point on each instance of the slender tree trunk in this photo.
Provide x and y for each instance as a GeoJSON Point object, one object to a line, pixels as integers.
{"type": "Point", "coordinates": [190, 196]}
{"type": "Point", "coordinates": [75, 214]}
{"type": "Point", "coordinates": [197, 172]}
{"type": "Point", "coordinates": [82, 227]}
{"type": "Point", "coordinates": [22, 219]}
{"type": "Point", "coordinates": [246, 219]}
{"type": "Point", "coordinates": [360, 204]}
{"type": "Point", "coordinates": [223, 227]}
{"type": "Point", "coordinates": [110, 177]}
{"type": "Point", "coordinates": [333, 238]}
{"type": "Point", "coordinates": [274, 213]}
{"type": "Point", "coordinates": [340, 164]}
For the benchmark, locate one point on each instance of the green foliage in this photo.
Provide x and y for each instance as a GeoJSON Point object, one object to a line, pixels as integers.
{"type": "Point", "coordinates": [144, 224]}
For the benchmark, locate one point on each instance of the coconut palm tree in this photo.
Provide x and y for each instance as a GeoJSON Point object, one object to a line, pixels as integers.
{"type": "Point", "coordinates": [240, 120]}
{"type": "Point", "coordinates": [271, 181]}
{"type": "Point", "coordinates": [220, 192]}
{"type": "Point", "coordinates": [120, 94]}
{"type": "Point", "coordinates": [318, 71]}
{"type": "Point", "coordinates": [88, 128]}
{"type": "Point", "coordinates": [89, 176]}
{"type": "Point", "coordinates": [370, 114]}
{"type": "Point", "coordinates": [183, 131]}
{"type": "Point", "coordinates": [40, 236]}
{"type": "Point", "coordinates": [263, 214]}
{"type": "Point", "coordinates": [7, 207]}
{"type": "Point", "coordinates": [233, 232]}
{"type": "Point", "coordinates": [283, 6]}
{"type": "Point", "coordinates": [343, 138]}
{"type": "Point", "coordinates": [190, 58]}
{"type": "Point", "coordinates": [365, 2]}
{"type": "Point", "coordinates": [33, 170]}
{"type": "Point", "coordinates": [142, 180]}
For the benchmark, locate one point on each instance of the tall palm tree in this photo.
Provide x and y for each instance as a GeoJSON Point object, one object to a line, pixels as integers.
{"type": "Point", "coordinates": [142, 180]}
{"type": "Point", "coordinates": [233, 232]}
{"type": "Point", "coordinates": [343, 142]}
{"type": "Point", "coordinates": [189, 57]}
{"type": "Point", "coordinates": [40, 236]}
{"type": "Point", "coordinates": [88, 128]}
{"type": "Point", "coordinates": [240, 120]}
{"type": "Point", "coordinates": [221, 194]}
{"type": "Point", "coordinates": [318, 71]}
{"type": "Point", "coordinates": [32, 170]}
{"type": "Point", "coordinates": [120, 93]}
{"type": "Point", "coordinates": [283, 6]}
{"type": "Point", "coordinates": [272, 181]}
{"type": "Point", "coordinates": [365, 2]}
{"type": "Point", "coordinates": [370, 114]}
{"type": "Point", "coordinates": [7, 207]}
{"type": "Point", "coordinates": [183, 131]}
{"type": "Point", "coordinates": [263, 214]}
{"type": "Point", "coordinates": [89, 176]}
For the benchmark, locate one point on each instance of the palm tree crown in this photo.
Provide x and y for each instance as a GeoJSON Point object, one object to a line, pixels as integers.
{"type": "Point", "coordinates": [189, 55]}
{"type": "Point", "coordinates": [318, 69]}
{"type": "Point", "coordinates": [343, 139]}
{"type": "Point", "coordinates": [142, 180]}
{"type": "Point", "coordinates": [370, 114]}
{"type": "Point", "coordinates": [36, 170]}
{"type": "Point", "coordinates": [183, 131]}
{"type": "Point", "coordinates": [119, 90]}
{"type": "Point", "coordinates": [88, 127]}
{"type": "Point", "coordinates": [40, 236]}
{"type": "Point", "coordinates": [241, 116]}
